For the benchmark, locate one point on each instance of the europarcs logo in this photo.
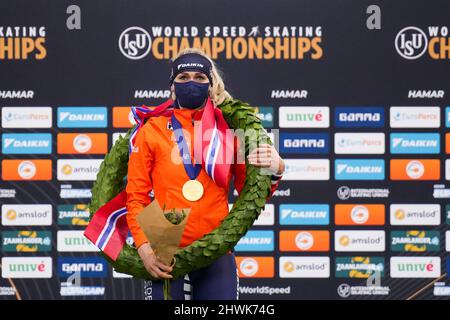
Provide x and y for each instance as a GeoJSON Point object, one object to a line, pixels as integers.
{"type": "Point", "coordinates": [230, 42]}
{"type": "Point", "coordinates": [412, 42]}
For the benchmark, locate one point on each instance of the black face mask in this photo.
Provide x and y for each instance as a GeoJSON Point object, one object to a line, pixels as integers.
{"type": "Point", "coordinates": [191, 94]}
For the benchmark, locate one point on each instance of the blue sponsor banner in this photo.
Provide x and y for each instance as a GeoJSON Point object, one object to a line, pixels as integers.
{"type": "Point", "coordinates": [415, 143]}
{"type": "Point", "coordinates": [305, 214]}
{"type": "Point", "coordinates": [256, 241]}
{"type": "Point", "coordinates": [359, 169]}
{"type": "Point", "coordinates": [26, 143]}
{"type": "Point", "coordinates": [304, 143]}
{"type": "Point", "coordinates": [359, 117]}
{"type": "Point", "coordinates": [89, 267]}
{"type": "Point", "coordinates": [82, 117]}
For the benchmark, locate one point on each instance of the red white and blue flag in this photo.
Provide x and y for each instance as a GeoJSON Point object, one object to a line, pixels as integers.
{"type": "Point", "coordinates": [108, 228]}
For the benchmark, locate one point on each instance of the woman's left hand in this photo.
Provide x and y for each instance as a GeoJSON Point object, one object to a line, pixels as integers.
{"type": "Point", "coordinates": [266, 156]}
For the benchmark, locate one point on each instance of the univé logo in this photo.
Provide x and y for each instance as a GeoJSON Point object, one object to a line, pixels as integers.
{"type": "Point", "coordinates": [135, 43]}
{"type": "Point", "coordinates": [412, 42]}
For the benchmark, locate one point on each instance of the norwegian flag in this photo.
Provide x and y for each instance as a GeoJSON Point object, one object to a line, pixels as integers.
{"type": "Point", "coordinates": [108, 228]}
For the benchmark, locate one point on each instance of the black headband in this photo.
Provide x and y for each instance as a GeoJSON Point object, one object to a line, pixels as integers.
{"type": "Point", "coordinates": [191, 62]}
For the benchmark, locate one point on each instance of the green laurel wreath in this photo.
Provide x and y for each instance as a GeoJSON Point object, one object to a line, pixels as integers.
{"type": "Point", "coordinates": [111, 181]}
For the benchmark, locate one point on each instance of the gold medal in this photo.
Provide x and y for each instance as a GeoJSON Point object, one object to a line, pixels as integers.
{"type": "Point", "coordinates": [192, 190]}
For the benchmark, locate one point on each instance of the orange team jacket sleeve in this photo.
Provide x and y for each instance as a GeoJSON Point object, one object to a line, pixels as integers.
{"type": "Point", "coordinates": [139, 185]}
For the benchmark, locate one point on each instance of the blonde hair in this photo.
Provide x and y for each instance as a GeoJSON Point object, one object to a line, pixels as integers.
{"type": "Point", "coordinates": [217, 91]}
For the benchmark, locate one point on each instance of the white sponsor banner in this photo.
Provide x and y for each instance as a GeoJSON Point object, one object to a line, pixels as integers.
{"type": "Point", "coordinates": [359, 241]}
{"type": "Point", "coordinates": [307, 169]}
{"type": "Point", "coordinates": [415, 117]}
{"type": "Point", "coordinates": [26, 117]}
{"type": "Point", "coordinates": [304, 117]}
{"type": "Point", "coordinates": [359, 143]}
{"type": "Point", "coordinates": [27, 267]}
{"type": "Point", "coordinates": [26, 214]}
{"type": "Point", "coordinates": [304, 267]}
{"type": "Point", "coordinates": [116, 136]}
{"type": "Point", "coordinates": [78, 170]}
{"type": "Point", "coordinates": [415, 214]}
{"type": "Point", "coordinates": [415, 267]}
{"type": "Point", "coordinates": [74, 241]}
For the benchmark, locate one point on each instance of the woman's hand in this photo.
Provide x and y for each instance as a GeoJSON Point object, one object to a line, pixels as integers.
{"type": "Point", "coordinates": [266, 156]}
{"type": "Point", "coordinates": [153, 265]}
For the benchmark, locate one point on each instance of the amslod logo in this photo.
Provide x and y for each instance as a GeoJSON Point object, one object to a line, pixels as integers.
{"type": "Point", "coordinates": [90, 267]}
{"type": "Point", "coordinates": [304, 142]}
{"type": "Point", "coordinates": [256, 241]}
{"type": "Point", "coordinates": [26, 143]}
{"type": "Point", "coordinates": [359, 169]}
{"type": "Point", "coordinates": [359, 117]}
{"type": "Point", "coordinates": [415, 143]}
{"type": "Point", "coordinates": [82, 117]}
{"type": "Point", "coordinates": [304, 214]}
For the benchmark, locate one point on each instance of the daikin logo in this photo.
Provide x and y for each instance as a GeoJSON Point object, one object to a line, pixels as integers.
{"type": "Point", "coordinates": [26, 143]}
{"type": "Point", "coordinates": [415, 143]}
{"type": "Point", "coordinates": [359, 169]}
{"type": "Point", "coordinates": [82, 117]}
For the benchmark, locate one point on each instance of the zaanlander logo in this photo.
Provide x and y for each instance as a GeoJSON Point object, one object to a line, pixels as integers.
{"type": "Point", "coordinates": [231, 42]}
{"type": "Point", "coordinates": [26, 241]}
{"type": "Point", "coordinates": [412, 42]}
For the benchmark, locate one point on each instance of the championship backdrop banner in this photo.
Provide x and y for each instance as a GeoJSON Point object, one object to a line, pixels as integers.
{"type": "Point", "coordinates": [355, 94]}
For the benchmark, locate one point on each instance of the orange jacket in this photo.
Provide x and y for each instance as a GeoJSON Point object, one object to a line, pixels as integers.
{"type": "Point", "coordinates": [150, 167]}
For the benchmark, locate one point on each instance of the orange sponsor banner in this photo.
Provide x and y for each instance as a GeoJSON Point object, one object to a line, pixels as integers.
{"type": "Point", "coordinates": [359, 214]}
{"type": "Point", "coordinates": [255, 267]}
{"type": "Point", "coordinates": [305, 240]}
{"type": "Point", "coordinates": [27, 169]}
{"type": "Point", "coordinates": [122, 117]}
{"type": "Point", "coordinates": [82, 143]}
{"type": "Point", "coordinates": [415, 169]}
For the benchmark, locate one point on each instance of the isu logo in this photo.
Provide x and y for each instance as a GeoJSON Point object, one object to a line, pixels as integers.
{"type": "Point", "coordinates": [135, 43]}
{"type": "Point", "coordinates": [411, 43]}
